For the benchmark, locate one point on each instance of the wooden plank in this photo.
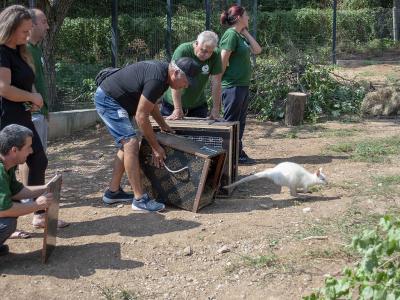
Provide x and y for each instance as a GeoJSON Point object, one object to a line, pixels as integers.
{"type": "Point", "coordinates": [51, 218]}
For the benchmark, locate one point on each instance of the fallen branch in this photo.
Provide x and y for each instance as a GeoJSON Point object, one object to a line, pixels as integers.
{"type": "Point", "coordinates": [316, 237]}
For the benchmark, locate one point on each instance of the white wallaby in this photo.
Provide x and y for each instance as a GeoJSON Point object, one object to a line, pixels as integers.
{"type": "Point", "coordinates": [287, 174]}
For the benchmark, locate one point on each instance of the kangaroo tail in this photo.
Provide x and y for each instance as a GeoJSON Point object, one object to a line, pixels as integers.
{"type": "Point", "coordinates": [263, 174]}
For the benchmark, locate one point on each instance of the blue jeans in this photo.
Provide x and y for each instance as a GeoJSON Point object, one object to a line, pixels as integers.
{"type": "Point", "coordinates": [236, 102]}
{"type": "Point", "coordinates": [7, 227]}
{"type": "Point", "coordinates": [196, 112]}
{"type": "Point", "coordinates": [115, 117]}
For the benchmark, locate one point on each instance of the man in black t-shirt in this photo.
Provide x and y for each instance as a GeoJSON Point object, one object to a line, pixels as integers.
{"type": "Point", "coordinates": [134, 91]}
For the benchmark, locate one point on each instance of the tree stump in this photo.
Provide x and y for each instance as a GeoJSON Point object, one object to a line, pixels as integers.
{"type": "Point", "coordinates": [294, 112]}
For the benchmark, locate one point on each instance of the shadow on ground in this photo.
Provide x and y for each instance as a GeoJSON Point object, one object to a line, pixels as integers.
{"type": "Point", "coordinates": [68, 262]}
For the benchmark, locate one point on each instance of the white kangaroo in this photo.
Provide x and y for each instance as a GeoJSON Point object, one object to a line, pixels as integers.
{"type": "Point", "coordinates": [287, 174]}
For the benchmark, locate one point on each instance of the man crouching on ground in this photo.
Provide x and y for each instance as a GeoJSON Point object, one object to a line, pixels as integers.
{"type": "Point", "coordinates": [15, 146]}
{"type": "Point", "coordinates": [134, 91]}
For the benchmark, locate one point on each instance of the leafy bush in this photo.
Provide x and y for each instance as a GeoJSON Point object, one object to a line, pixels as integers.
{"type": "Point", "coordinates": [377, 275]}
{"type": "Point", "coordinates": [273, 79]}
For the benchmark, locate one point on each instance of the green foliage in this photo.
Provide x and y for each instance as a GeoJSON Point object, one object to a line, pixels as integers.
{"type": "Point", "coordinates": [273, 79]}
{"type": "Point", "coordinates": [310, 28]}
{"type": "Point", "coordinates": [75, 82]}
{"type": "Point", "coordinates": [377, 275]}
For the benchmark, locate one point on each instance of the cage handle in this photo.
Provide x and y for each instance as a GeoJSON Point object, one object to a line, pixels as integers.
{"type": "Point", "coordinates": [175, 171]}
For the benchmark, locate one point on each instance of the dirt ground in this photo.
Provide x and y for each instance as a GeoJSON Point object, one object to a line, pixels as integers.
{"type": "Point", "coordinates": [257, 244]}
{"type": "Point", "coordinates": [112, 252]}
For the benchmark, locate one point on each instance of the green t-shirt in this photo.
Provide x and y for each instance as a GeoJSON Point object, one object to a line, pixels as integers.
{"type": "Point", "coordinates": [9, 186]}
{"type": "Point", "coordinates": [40, 82]}
{"type": "Point", "coordinates": [238, 71]}
{"type": "Point", "coordinates": [193, 96]}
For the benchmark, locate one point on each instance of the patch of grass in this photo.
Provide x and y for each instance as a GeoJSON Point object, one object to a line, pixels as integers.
{"type": "Point", "coordinates": [345, 185]}
{"type": "Point", "coordinates": [260, 261]}
{"type": "Point", "coordinates": [313, 230]}
{"type": "Point", "coordinates": [354, 221]}
{"type": "Point", "coordinates": [343, 132]}
{"type": "Point", "coordinates": [315, 188]}
{"type": "Point", "coordinates": [367, 73]}
{"type": "Point", "coordinates": [293, 133]}
{"type": "Point", "coordinates": [331, 253]}
{"type": "Point", "coordinates": [116, 294]}
{"type": "Point", "coordinates": [342, 147]}
{"type": "Point", "coordinates": [377, 150]}
{"type": "Point", "coordinates": [350, 119]}
{"type": "Point", "coordinates": [385, 185]}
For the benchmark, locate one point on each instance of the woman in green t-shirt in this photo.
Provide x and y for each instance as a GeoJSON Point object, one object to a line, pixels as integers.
{"type": "Point", "coordinates": [236, 46]}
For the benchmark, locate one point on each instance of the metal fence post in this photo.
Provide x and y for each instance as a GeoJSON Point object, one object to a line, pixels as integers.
{"type": "Point", "coordinates": [254, 29]}
{"type": "Point", "coordinates": [208, 13]}
{"type": "Point", "coordinates": [396, 19]}
{"type": "Point", "coordinates": [114, 33]}
{"type": "Point", "coordinates": [169, 30]}
{"type": "Point", "coordinates": [238, 2]}
{"type": "Point", "coordinates": [334, 32]}
{"type": "Point", "coordinates": [32, 3]}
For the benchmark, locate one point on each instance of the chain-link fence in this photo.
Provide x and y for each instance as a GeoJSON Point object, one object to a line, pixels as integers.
{"type": "Point", "coordinates": [152, 29]}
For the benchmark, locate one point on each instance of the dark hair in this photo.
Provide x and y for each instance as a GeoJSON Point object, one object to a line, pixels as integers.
{"type": "Point", "coordinates": [230, 16]}
{"type": "Point", "coordinates": [13, 135]}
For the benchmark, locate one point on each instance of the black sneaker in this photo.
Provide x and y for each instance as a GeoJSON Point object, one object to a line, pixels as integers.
{"type": "Point", "coordinates": [244, 159]}
{"type": "Point", "coordinates": [115, 197]}
{"type": "Point", "coordinates": [4, 250]}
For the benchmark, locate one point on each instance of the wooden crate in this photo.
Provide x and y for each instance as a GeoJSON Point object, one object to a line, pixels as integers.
{"type": "Point", "coordinates": [195, 185]}
{"type": "Point", "coordinates": [218, 135]}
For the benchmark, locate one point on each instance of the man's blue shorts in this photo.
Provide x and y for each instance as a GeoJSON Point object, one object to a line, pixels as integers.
{"type": "Point", "coordinates": [115, 117]}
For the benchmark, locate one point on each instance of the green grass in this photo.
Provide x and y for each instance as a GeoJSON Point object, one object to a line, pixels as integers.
{"type": "Point", "coordinates": [344, 147]}
{"type": "Point", "coordinates": [116, 294]}
{"type": "Point", "coordinates": [257, 262]}
{"type": "Point", "coordinates": [385, 185]}
{"type": "Point", "coordinates": [345, 185]}
{"type": "Point", "coordinates": [378, 150]}
{"type": "Point", "coordinates": [343, 132]}
{"type": "Point", "coordinates": [260, 261]}
{"type": "Point", "coordinates": [313, 230]}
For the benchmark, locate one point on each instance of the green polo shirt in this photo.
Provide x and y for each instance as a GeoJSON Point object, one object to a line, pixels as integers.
{"type": "Point", "coordinates": [194, 96]}
{"type": "Point", "coordinates": [9, 186]}
{"type": "Point", "coordinates": [40, 82]}
{"type": "Point", "coordinates": [238, 71]}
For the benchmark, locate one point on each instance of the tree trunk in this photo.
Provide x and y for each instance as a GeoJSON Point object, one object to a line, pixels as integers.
{"type": "Point", "coordinates": [56, 11]}
{"type": "Point", "coordinates": [295, 108]}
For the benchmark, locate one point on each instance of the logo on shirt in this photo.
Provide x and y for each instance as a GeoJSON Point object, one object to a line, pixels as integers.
{"type": "Point", "coordinates": [205, 70]}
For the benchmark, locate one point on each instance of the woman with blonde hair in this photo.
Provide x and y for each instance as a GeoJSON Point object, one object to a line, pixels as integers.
{"type": "Point", "coordinates": [16, 85]}
{"type": "Point", "coordinates": [236, 45]}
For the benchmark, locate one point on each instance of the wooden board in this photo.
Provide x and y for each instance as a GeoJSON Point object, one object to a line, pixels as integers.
{"type": "Point", "coordinates": [51, 218]}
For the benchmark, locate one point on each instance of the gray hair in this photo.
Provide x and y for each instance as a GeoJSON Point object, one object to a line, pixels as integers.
{"type": "Point", "coordinates": [13, 135]}
{"type": "Point", "coordinates": [208, 37]}
{"type": "Point", "coordinates": [35, 13]}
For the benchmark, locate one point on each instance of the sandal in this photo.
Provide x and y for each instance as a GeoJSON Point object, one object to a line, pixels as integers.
{"type": "Point", "coordinates": [20, 234]}
{"type": "Point", "coordinates": [40, 223]}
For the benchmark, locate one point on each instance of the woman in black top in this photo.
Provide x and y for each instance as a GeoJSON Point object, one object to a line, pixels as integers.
{"type": "Point", "coordinates": [16, 84]}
